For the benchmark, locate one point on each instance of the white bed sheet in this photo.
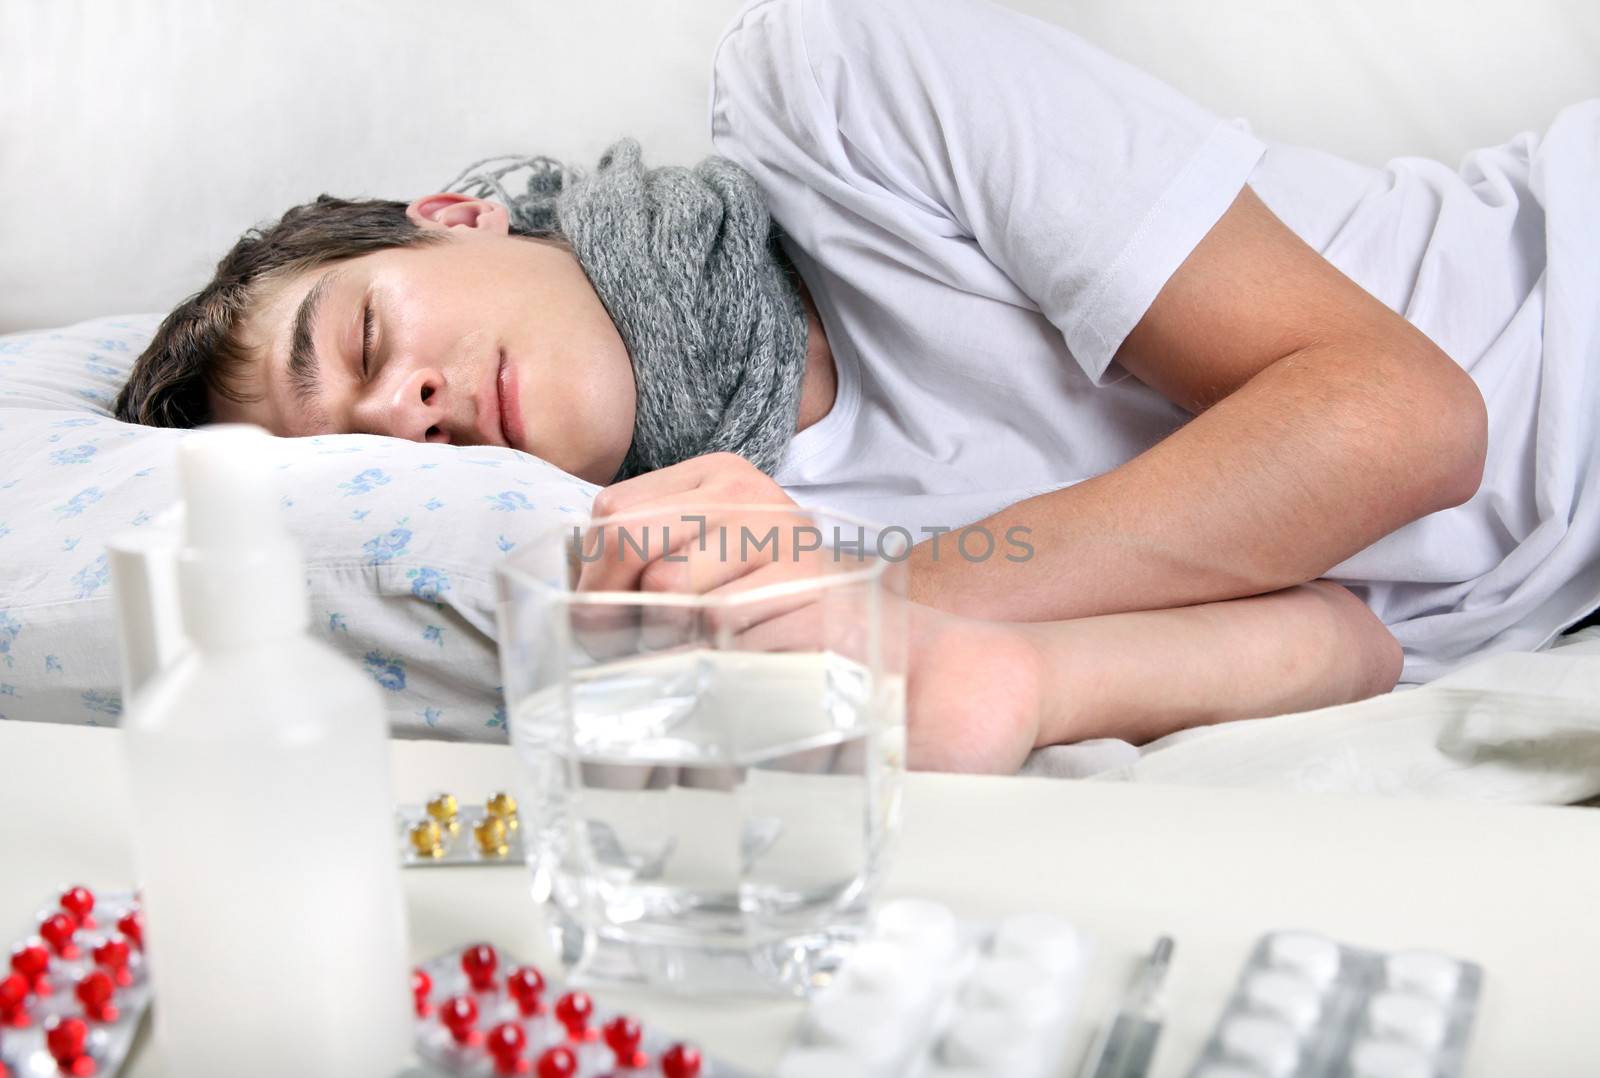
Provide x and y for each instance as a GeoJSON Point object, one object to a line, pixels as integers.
{"type": "Point", "coordinates": [1517, 727]}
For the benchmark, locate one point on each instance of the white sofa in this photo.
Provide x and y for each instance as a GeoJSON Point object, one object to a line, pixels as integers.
{"type": "Point", "coordinates": [138, 138]}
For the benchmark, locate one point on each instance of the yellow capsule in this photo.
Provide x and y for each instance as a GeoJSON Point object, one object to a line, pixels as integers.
{"type": "Point", "coordinates": [504, 806]}
{"type": "Point", "coordinates": [491, 835]}
{"type": "Point", "coordinates": [443, 809]}
{"type": "Point", "coordinates": [426, 838]}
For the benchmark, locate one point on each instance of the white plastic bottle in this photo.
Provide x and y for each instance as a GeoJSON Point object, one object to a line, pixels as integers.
{"type": "Point", "coordinates": [259, 770]}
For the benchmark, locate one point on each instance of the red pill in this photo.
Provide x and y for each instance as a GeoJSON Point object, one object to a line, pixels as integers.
{"type": "Point", "coordinates": [13, 1000]}
{"type": "Point", "coordinates": [557, 1063]}
{"type": "Point", "coordinates": [94, 991]}
{"type": "Point", "coordinates": [32, 961]}
{"type": "Point", "coordinates": [65, 1038]}
{"type": "Point", "coordinates": [79, 901]}
{"type": "Point", "coordinates": [57, 930]}
{"type": "Point", "coordinates": [112, 953]}
{"type": "Point", "coordinates": [506, 1039]}
{"type": "Point", "coordinates": [421, 988]}
{"type": "Point", "coordinates": [132, 926]}
{"type": "Point", "coordinates": [526, 986]}
{"type": "Point", "coordinates": [459, 1014]}
{"type": "Point", "coordinates": [479, 963]}
{"type": "Point", "coordinates": [680, 1061]}
{"type": "Point", "coordinates": [573, 1011]}
{"type": "Point", "coordinates": [505, 1045]}
{"type": "Point", "coordinates": [622, 1036]}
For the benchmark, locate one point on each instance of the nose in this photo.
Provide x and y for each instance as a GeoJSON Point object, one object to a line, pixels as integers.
{"type": "Point", "coordinates": [417, 410]}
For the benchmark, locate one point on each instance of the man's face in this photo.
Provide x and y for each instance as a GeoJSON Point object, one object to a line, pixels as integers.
{"type": "Point", "coordinates": [482, 339]}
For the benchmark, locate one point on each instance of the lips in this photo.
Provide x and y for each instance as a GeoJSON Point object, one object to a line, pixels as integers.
{"type": "Point", "coordinates": [511, 428]}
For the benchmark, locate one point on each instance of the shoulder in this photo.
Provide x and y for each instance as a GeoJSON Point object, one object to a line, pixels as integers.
{"type": "Point", "coordinates": [821, 92]}
{"type": "Point", "coordinates": [754, 39]}
{"type": "Point", "coordinates": [791, 37]}
{"type": "Point", "coordinates": [835, 54]}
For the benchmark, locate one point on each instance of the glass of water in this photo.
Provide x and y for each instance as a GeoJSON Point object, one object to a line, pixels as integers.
{"type": "Point", "coordinates": [711, 752]}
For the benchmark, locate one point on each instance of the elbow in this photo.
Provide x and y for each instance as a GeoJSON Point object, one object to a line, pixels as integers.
{"type": "Point", "coordinates": [1386, 664]}
{"type": "Point", "coordinates": [1465, 443]}
{"type": "Point", "coordinates": [1369, 661]}
{"type": "Point", "coordinates": [1455, 446]}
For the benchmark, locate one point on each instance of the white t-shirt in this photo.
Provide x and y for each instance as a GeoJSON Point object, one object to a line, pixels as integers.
{"type": "Point", "coordinates": [983, 206]}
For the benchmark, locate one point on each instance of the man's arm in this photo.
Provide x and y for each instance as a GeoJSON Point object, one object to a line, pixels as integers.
{"type": "Point", "coordinates": [983, 695]}
{"type": "Point", "coordinates": [1324, 421]}
{"type": "Point", "coordinates": [1143, 675]}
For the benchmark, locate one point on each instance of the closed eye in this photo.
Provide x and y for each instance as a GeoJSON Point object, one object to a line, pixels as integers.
{"type": "Point", "coordinates": [368, 328]}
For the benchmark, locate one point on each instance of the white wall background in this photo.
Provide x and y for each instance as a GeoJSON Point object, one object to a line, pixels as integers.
{"type": "Point", "coordinates": [138, 138]}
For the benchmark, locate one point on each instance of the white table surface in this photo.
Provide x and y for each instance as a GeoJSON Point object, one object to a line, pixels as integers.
{"type": "Point", "coordinates": [1515, 888]}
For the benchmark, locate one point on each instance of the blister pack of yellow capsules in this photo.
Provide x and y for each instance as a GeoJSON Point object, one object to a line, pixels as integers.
{"type": "Point", "coordinates": [446, 832]}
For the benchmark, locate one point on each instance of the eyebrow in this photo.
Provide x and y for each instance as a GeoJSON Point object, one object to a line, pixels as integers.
{"type": "Point", "coordinates": [304, 367]}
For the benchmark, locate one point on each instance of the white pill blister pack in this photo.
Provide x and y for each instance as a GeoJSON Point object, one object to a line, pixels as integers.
{"type": "Point", "coordinates": [926, 995]}
{"type": "Point", "coordinates": [1308, 1007]}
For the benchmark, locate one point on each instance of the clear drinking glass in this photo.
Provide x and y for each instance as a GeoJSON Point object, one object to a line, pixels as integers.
{"type": "Point", "coordinates": [711, 766]}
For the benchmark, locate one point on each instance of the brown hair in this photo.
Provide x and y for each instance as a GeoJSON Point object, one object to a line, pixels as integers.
{"type": "Point", "coordinates": [198, 351]}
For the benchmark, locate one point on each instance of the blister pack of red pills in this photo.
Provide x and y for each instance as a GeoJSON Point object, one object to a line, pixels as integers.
{"type": "Point", "coordinates": [76, 989]}
{"type": "Point", "coordinates": [479, 1014]}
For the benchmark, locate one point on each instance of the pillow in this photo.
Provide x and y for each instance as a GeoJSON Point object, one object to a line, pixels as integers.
{"type": "Point", "coordinates": [400, 539]}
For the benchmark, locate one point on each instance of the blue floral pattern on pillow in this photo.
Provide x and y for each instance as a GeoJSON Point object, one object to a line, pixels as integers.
{"type": "Point", "coordinates": [365, 482]}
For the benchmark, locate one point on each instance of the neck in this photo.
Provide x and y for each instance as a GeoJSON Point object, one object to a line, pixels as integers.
{"type": "Point", "coordinates": [820, 383]}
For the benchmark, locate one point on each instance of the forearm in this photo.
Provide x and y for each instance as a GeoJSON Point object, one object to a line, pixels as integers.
{"type": "Point", "coordinates": [1314, 459]}
{"type": "Point", "coordinates": [1141, 675]}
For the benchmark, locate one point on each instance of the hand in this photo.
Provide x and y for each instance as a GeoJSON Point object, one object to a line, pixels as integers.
{"type": "Point", "coordinates": [674, 540]}
{"type": "Point", "coordinates": [715, 526]}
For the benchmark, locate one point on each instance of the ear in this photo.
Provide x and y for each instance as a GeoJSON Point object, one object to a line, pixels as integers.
{"type": "Point", "coordinates": [448, 211]}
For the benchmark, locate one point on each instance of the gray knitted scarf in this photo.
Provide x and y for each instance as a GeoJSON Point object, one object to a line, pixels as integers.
{"type": "Point", "coordinates": [688, 265]}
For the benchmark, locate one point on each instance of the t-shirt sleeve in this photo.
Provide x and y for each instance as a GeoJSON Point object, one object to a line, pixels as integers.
{"type": "Point", "coordinates": [1086, 181]}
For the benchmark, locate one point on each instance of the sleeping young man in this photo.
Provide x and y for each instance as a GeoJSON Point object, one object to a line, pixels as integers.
{"type": "Point", "coordinates": [1263, 416]}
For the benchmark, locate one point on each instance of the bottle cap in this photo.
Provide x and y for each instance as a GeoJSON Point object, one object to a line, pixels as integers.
{"type": "Point", "coordinates": [240, 576]}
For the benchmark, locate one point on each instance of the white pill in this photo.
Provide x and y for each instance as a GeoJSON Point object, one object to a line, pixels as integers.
{"type": "Point", "coordinates": [1287, 996]}
{"type": "Point", "coordinates": [1227, 1070]}
{"type": "Point", "coordinates": [881, 967]}
{"type": "Point", "coordinates": [992, 1043]}
{"type": "Point", "coordinates": [824, 1063]}
{"type": "Point", "coordinates": [1268, 1045]}
{"type": "Point", "coordinates": [1406, 1017]}
{"type": "Point", "coordinates": [1313, 957]}
{"type": "Point", "coordinates": [1043, 938]}
{"type": "Point", "coordinates": [870, 1028]}
{"type": "Point", "coordinates": [1424, 972]}
{"type": "Point", "coordinates": [1016, 986]}
{"type": "Point", "coordinates": [1386, 1059]}
{"type": "Point", "coordinates": [928, 928]}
